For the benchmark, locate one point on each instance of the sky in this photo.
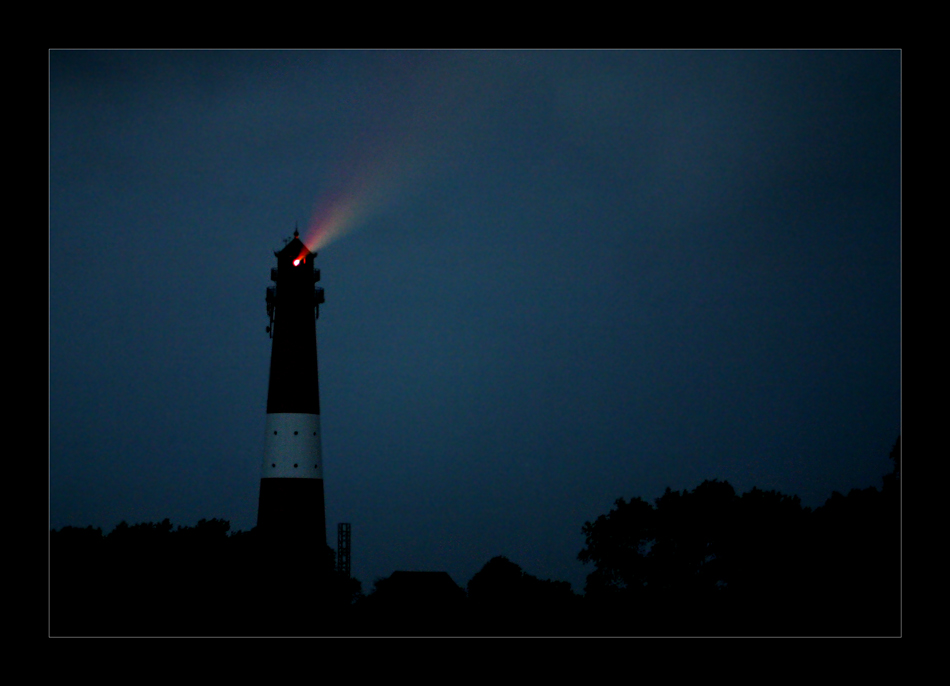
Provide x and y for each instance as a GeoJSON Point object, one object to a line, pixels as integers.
{"type": "Point", "coordinates": [552, 279]}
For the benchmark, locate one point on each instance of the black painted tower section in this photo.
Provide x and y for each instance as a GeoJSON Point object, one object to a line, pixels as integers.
{"type": "Point", "coordinates": [291, 505]}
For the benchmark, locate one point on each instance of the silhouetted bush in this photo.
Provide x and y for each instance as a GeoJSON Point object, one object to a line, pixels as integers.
{"type": "Point", "coordinates": [708, 561]}
{"type": "Point", "coordinates": [147, 579]}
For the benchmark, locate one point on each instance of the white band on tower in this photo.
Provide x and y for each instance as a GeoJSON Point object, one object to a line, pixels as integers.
{"type": "Point", "coordinates": [292, 447]}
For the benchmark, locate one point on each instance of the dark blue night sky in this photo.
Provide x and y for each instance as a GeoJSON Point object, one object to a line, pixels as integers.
{"type": "Point", "coordinates": [552, 279]}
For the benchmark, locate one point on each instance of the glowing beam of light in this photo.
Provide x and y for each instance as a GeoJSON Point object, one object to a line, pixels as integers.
{"type": "Point", "coordinates": [370, 181]}
{"type": "Point", "coordinates": [333, 221]}
{"type": "Point", "coordinates": [409, 138]}
{"type": "Point", "coordinates": [367, 192]}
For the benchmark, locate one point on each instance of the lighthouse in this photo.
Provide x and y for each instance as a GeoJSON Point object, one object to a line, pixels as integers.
{"type": "Point", "coordinates": [291, 506]}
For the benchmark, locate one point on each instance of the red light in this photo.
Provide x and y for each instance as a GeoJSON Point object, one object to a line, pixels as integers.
{"type": "Point", "coordinates": [297, 261]}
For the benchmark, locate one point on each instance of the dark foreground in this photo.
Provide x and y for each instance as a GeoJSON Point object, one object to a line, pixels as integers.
{"type": "Point", "coordinates": [706, 562]}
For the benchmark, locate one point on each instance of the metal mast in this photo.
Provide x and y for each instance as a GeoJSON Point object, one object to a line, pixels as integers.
{"type": "Point", "coordinates": [343, 548]}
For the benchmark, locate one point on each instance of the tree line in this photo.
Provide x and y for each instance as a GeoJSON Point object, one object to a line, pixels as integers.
{"type": "Point", "coordinates": [707, 561]}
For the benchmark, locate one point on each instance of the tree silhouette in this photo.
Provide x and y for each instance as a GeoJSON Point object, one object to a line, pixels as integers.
{"type": "Point", "coordinates": [618, 544]}
{"type": "Point", "coordinates": [412, 604]}
{"type": "Point", "coordinates": [148, 579]}
{"type": "Point", "coordinates": [697, 561]}
{"type": "Point", "coordinates": [708, 561]}
{"type": "Point", "coordinates": [504, 599]}
{"type": "Point", "coordinates": [498, 585]}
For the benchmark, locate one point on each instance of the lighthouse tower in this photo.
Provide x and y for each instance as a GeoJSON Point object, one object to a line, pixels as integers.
{"type": "Point", "coordinates": [291, 506]}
